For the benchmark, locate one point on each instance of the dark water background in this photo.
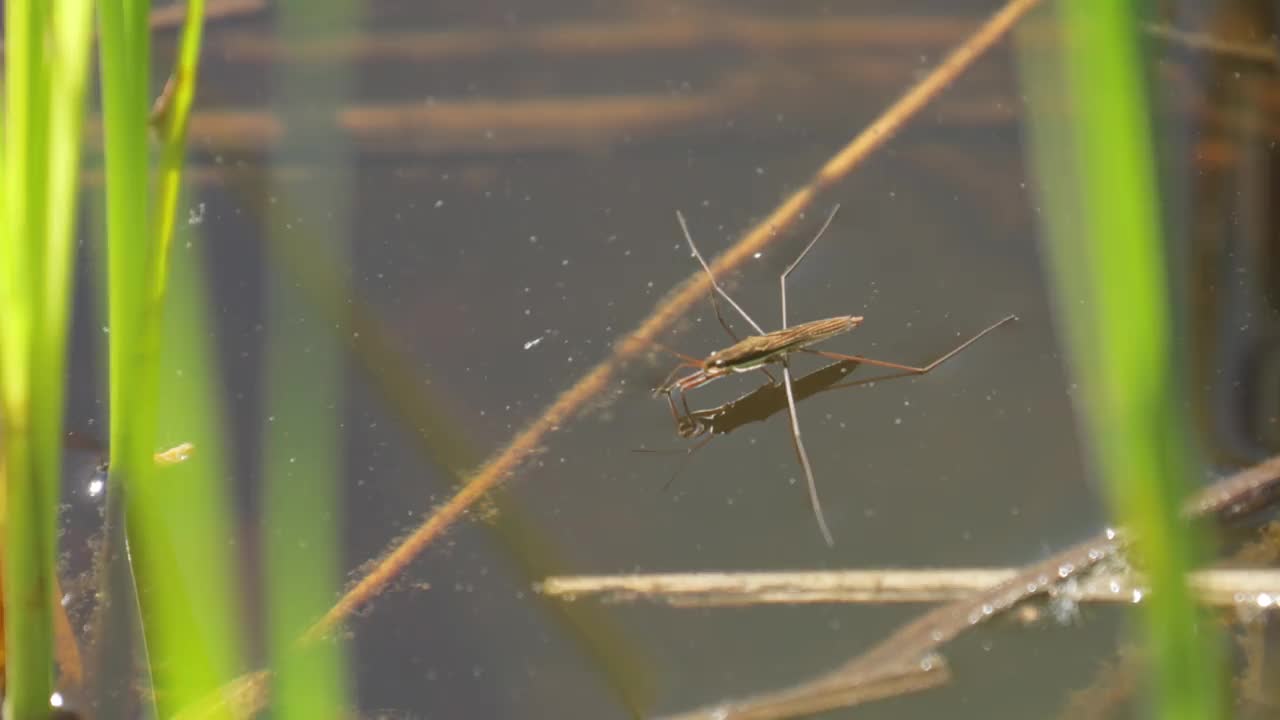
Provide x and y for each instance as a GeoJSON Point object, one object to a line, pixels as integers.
{"type": "Point", "coordinates": [504, 263]}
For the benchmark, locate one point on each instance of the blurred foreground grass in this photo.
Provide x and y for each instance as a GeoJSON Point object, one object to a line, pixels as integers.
{"type": "Point", "coordinates": [1096, 170]}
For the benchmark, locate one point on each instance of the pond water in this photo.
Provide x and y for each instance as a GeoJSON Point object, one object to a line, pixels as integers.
{"type": "Point", "coordinates": [511, 175]}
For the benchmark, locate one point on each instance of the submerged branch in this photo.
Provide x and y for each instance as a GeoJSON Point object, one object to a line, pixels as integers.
{"type": "Point", "coordinates": [915, 644]}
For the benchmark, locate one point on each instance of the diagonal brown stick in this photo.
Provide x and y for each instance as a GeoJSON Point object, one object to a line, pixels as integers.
{"type": "Point", "coordinates": [692, 291]}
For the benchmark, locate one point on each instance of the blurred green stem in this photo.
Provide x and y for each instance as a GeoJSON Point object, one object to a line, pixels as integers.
{"type": "Point", "coordinates": [305, 379]}
{"type": "Point", "coordinates": [1098, 184]}
{"type": "Point", "coordinates": [46, 61]}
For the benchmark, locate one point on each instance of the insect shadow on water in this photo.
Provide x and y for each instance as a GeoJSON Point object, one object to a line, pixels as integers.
{"type": "Point", "coordinates": [756, 352]}
{"type": "Point", "coordinates": [757, 406]}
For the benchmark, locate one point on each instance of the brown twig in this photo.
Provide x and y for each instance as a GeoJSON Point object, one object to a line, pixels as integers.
{"type": "Point", "coordinates": [693, 290]}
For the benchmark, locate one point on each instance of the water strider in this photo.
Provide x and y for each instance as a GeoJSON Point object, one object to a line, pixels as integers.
{"type": "Point", "coordinates": [756, 352]}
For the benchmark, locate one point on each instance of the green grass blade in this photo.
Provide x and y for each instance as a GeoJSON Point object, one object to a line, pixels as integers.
{"type": "Point", "coordinates": [45, 76]}
{"type": "Point", "coordinates": [133, 315]}
{"type": "Point", "coordinates": [178, 522]}
{"type": "Point", "coordinates": [302, 457]}
{"type": "Point", "coordinates": [29, 550]}
{"type": "Point", "coordinates": [1097, 176]}
{"type": "Point", "coordinates": [72, 36]}
{"type": "Point", "coordinates": [176, 545]}
{"type": "Point", "coordinates": [199, 648]}
{"type": "Point", "coordinates": [173, 123]}
{"type": "Point", "coordinates": [24, 200]}
{"type": "Point", "coordinates": [304, 381]}
{"type": "Point", "coordinates": [197, 645]}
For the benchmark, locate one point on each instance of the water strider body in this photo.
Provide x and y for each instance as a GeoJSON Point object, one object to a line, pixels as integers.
{"type": "Point", "coordinates": [756, 352]}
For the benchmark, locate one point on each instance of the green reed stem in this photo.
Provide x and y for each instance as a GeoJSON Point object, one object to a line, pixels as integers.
{"type": "Point", "coordinates": [1097, 173]}
{"type": "Point", "coordinates": [46, 61]}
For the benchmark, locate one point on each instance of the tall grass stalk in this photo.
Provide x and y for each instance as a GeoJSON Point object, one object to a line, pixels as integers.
{"type": "Point", "coordinates": [304, 380]}
{"type": "Point", "coordinates": [177, 523]}
{"type": "Point", "coordinates": [46, 61]}
{"type": "Point", "coordinates": [1097, 174]}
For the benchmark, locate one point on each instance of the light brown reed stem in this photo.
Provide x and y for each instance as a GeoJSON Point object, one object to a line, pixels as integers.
{"type": "Point", "coordinates": [1231, 588]}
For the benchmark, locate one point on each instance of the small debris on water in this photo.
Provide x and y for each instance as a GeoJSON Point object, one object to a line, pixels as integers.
{"type": "Point", "coordinates": [534, 342]}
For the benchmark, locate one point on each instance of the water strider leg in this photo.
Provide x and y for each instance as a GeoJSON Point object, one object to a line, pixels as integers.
{"type": "Point", "coordinates": [804, 457]}
{"type": "Point", "coordinates": [688, 453]}
{"type": "Point", "coordinates": [782, 279]}
{"type": "Point", "coordinates": [912, 369]}
{"type": "Point", "coordinates": [712, 277]}
{"type": "Point", "coordinates": [668, 384]}
{"type": "Point", "coordinates": [681, 421]}
{"type": "Point", "coordinates": [715, 305]}
{"type": "Point", "coordinates": [687, 426]}
{"type": "Point", "coordinates": [814, 501]}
